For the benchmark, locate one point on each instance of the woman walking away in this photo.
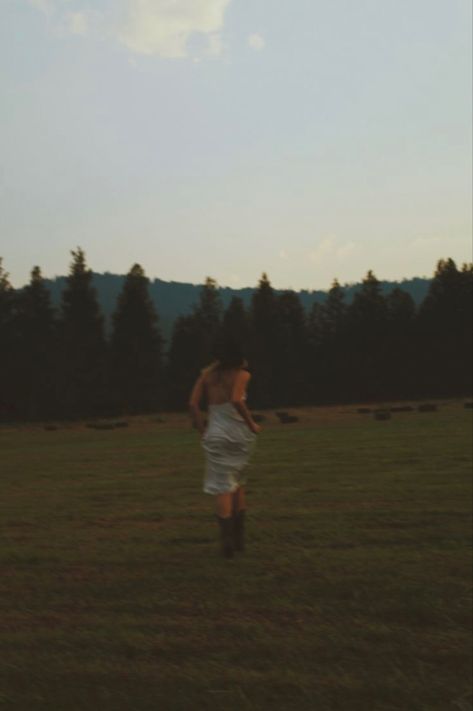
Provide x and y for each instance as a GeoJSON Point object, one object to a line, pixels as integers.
{"type": "Point", "coordinates": [227, 439]}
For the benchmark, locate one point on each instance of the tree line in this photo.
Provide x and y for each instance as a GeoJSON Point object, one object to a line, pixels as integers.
{"type": "Point", "coordinates": [61, 364]}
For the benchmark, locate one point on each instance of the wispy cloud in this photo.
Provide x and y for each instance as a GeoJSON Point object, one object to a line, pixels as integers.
{"type": "Point", "coordinates": [77, 23]}
{"type": "Point", "coordinates": [330, 249]}
{"type": "Point", "coordinates": [66, 16]}
{"type": "Point", "coordinates": [163, 28]}
{"type": "Point", "coordinates": [256, 42]}
{"type": "Point", "coordinates": [160, 28]}
{"type": "Point", "coordinates": [46, 6]}
{"type": "Point", "coordinates": [324, 248]}
{"type": "Point", "coordinates": [345, 250]}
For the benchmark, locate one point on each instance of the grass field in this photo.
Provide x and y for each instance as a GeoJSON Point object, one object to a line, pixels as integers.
{"type": "Point", "coordinates": [354, 592]}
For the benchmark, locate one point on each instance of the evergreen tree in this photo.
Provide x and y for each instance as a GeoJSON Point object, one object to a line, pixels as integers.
{"type": "Point", "coordinates": [444, 335]}
{"type": "Point", "coordinates": [192, 344]}
{"type": "Point", "coordinates": [466, 338]}
{"type": "Point", "coordinates": [334, 348]}
{"type": "Point", "coordinates": [291, 358]}
{"type": "Point", "coordinates": [136, 348]}
{"type": "Point", "coordinates": [236, 323]}
{"type": "Point", "coordinates": [208, 316]}
{"type": "Point", "coordinates": [36, 349]}
{"type": "Point", "coordinates": [183, 362]}
{"type": "Point", "coordinates": [367, 324]}
{"type": "Point", "coordinates": [400, 345]}
{"type": "Point", "coordinates": [9, 373]}
{"type": "Point", "coordinates": [83, 347]}
{"type": "Point", "coordinates": [264, 344]}
{"type": "Point", "coordinates": [316, 378]}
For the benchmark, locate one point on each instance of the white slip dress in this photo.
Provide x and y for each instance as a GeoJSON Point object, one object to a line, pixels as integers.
{"type": "Point", "coordinates": [228, 444]}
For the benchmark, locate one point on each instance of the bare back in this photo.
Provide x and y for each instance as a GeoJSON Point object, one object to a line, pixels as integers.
{"type": "Point", "coordinates": [219, 385]}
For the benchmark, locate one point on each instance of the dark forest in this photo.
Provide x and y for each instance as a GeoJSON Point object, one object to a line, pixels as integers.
{"type": "Point", "coordinates": [66, 362]}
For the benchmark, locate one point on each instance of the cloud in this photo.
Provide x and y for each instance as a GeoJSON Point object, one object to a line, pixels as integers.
{"type": "Point", "coordinates": [215, 45]}
{"type": "Point", "coordinates": [46, 6]}
{"type": "Point", "coordinates": [345, 250]}
{"type": "Point", "coordinates": [163, 28]}
{"type": "Point", "coordinates": [330, 249]}
{"type": "Point", "coordinates": [322, 250]}
{"type": "Point", "coordinates": [160, 28]}
{"type": "Point", "coordinates": [256, 42]}
{"type": "Point", "coordinates": [63, 18]}
{"type": "Point", "coordinates": [77, 23]}
{"type": "Point", "coordinates": [423, 242]}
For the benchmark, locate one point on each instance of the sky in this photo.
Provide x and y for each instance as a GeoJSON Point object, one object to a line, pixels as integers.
{"type": "Point", "coordinates": [309, 139]}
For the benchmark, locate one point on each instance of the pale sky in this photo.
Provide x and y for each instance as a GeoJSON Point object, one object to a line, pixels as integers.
{"type": "Point", "coordinates": [310, 139]}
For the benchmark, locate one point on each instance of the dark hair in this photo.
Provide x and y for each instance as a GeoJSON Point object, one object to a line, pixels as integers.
{"type": "Point", "coordinates": [229, 353]}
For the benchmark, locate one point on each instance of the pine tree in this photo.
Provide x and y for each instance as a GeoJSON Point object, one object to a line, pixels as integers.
{"type": "Point", "coordinates": [367, 323]}
{"type": "Point", "coordinates": [9, 373]}
{"type": "Point", "coordinates": [37, 349]}
{"type": "Point", "coordinates": [316, 379]}
{"type": "Point", "coordinates": [445, 321]}
{"type": "Point", "coordinates": [183, 362]}
{"type": "Point", "coordinates": [208, 316]}
{"type": "Point", "coordinates": [264, 344]}
{"type": "Point", "coordinates": [236, 323]}
{"type": "Point", "coordinates": [83, 346]}
{"type": "Point", "coordinates": [333, 352]}
{"type": "Point", "coordinates": [192, 344]}
{"type": "Point", "coordinates": [291, 358]}
{"type": "Point", "coordinates": [136, 348]}
{"type": "Point", "coordinates": [400, 345]}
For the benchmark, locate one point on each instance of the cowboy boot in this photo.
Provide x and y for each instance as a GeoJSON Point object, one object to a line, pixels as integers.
{"type": "Point", "coordinates": [226, 533]}
{"type": "Point", "coordinates": [239, 530]}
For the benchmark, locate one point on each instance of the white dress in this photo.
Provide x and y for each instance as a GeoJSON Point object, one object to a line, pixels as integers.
{"type": "Point", "coordinates": [227, 443]}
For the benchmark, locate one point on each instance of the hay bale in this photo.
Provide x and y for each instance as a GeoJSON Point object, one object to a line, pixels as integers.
{"type": "Point", "coordinates": [427, 407]}
{"type": "Point", "coordinates": [286, 419]}
{"type": "Point", "coordinates": [382, 415]}
{"type": "Point", "coordinates": [100, 426]}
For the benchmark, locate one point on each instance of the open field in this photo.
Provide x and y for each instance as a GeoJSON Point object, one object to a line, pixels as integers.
{"type": "Point", "coordinates": [354, 593]}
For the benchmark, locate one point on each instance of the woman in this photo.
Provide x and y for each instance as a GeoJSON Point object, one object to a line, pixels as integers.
{"type": "Point", "coordinates": [227, 439]}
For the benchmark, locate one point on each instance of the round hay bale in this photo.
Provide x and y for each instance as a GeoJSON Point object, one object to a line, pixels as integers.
{"type": "Point", "coordinates": [427, 407]}
{"type": "Point", "coordinates": [382, 415]}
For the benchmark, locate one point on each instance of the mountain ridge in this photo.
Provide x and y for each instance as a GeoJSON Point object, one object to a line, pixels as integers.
{"type": "Point", "coordinates": [173, 299]}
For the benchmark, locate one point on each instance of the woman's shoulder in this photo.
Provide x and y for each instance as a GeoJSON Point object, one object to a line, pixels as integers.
{"type": "Point", "coordinates": [208, 370]}
{"type": "Point", "coordinates": [243, 373]}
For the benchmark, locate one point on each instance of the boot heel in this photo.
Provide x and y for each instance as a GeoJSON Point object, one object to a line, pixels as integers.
{"type": "Point", "coordinates": [239, 531]}
{"type": "Point", "coordinates": [226, 534]}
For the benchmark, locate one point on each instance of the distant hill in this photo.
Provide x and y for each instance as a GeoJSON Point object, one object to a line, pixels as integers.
{"type": "Point", "coordinates": [173, 299]}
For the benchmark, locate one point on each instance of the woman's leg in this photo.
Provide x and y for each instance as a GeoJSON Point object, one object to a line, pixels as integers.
{"type": "Point", "coordinates": [239, 507]}
{"type": "Point", "coordinates": [225, 521]}
{"type": "Point", "coordinates": [224, 505]}
{"type": "Point", "coordinates": [239, 501]}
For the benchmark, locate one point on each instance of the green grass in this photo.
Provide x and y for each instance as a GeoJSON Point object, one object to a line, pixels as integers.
{"type": "Point", "coordinates": [353, 594]}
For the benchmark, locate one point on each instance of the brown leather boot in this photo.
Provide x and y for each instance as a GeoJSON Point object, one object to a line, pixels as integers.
{"type": "Point", "coordinates": [226, 532]}
{"type": "Point", "coordinates": [239, 530]}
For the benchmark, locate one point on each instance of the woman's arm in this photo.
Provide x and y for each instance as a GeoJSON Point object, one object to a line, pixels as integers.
{"type": "Point", "coordinates": [238, 400]}
{"type": "Point", "coordinates": [194, 405]}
